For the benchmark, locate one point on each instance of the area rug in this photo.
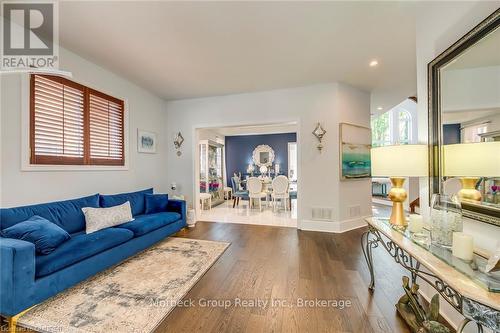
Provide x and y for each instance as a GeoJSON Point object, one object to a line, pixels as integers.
{"type": "Point", "coordinates": [134, 296]}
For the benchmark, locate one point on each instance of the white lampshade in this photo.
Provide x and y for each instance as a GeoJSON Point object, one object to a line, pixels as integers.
{"type": "Point", "coordinates": [481, 159]}
{"type": "Point", "coordinates": [400, 161]}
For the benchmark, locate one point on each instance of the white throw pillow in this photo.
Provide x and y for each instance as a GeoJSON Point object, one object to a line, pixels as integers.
{"type": "Point", "coordinates": [102, 218]}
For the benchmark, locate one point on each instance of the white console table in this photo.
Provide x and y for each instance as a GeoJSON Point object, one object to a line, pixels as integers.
{"type": "Point", "coordinates": [470, 295]}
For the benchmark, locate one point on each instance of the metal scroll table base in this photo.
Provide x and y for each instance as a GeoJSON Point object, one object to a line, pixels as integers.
{"type": "Point", "coordinates": [481, 315]}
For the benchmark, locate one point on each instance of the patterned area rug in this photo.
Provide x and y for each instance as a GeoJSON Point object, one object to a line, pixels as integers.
{"type": "Point", "coordinates": [134, 296]}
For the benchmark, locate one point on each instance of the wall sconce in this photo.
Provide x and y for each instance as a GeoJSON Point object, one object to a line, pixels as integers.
{"type": "Point", "coordinates": [319, 132]}
{"type": "Point", "coordinates": [178, 140]}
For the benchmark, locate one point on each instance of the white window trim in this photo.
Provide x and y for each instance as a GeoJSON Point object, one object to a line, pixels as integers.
{"type": "Point", "coordinates": [25, 137]}
{"type": "Point", "coordinates": [410, 125]}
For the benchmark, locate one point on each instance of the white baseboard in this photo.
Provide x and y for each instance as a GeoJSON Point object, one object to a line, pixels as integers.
{"type": "Point", "coordinates": [332, 226]}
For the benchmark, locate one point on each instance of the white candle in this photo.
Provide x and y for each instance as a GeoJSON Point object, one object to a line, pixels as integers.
{"type": "Point", "coordinates": [463, 246]}
{"type": "Point", "coordinates": [416, 223]}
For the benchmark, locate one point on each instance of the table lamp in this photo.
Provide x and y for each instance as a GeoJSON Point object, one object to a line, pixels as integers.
{"type": "Point", "coordinates": [469, 162]}
{"type": "Point", "coordinates": [398, 162]}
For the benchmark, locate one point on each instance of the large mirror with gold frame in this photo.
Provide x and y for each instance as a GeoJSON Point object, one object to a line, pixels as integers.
{"type": "Point", "coordinates": [464, 117]}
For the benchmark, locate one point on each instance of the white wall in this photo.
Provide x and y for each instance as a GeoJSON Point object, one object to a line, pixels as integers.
{"type": "Point", "coordinates": [352, 106]}
{"type": "Point", "coordinates": [318, 182]}
{"type": "Point", "coordinates": [439, 25]}
{"type": "Point", "coordinates": [146, 111]}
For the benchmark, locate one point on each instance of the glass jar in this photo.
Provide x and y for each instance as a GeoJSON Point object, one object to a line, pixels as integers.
{"type": "Point", "coordinates": [446, 218]}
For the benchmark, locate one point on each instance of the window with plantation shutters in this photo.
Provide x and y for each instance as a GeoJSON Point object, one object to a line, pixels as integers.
{"type": "Point", "coordinates": [106, 129]}
{"type": "Point", "coordinates": [74, 125]}
{"type": "Point", "coordinates": [57, 114]}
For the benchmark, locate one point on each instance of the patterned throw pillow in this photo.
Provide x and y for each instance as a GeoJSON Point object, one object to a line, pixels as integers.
{"type": "Point", "coordinates": [102, 218]}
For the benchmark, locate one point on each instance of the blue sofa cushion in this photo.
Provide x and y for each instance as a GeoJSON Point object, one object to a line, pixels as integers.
{"type": "Point", "coordinates": [80, 247]}
{"type": "Point", "coordinates": [147, 223]}
{"type": "Point", "coordinates": [66, 214]}
{"type": "Point", "coordinates": [44, 234]}
{"type": "Point", "coordinates": [156, 203]}
{"type": "Point", "coordinates": [137, 201]}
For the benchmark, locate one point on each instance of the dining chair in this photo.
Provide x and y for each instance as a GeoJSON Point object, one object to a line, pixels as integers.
{"type": "Point", "coordinates": [206, 197]}
{"type": "Point", "coordinates": [237, 193]}
{"type": "Point", "coordinates": [254, 186]}
{"type": "Point", "coordinates": [280, 191]}
{"type": "Point", "coordinates": [228, 193]}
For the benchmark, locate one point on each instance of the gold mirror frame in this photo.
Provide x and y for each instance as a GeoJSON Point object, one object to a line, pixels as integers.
{"type": "Point", "coordinates": [477, 212]}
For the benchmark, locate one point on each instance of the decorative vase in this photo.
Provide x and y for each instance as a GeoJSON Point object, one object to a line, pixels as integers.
{"type": "Point", "coordinates": [446, 218]}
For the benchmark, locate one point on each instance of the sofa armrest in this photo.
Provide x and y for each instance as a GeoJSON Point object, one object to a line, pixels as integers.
{"type": "Point", "coordinates": [177, 206]}
{"type": "Point", "coordinates": [17, 271]}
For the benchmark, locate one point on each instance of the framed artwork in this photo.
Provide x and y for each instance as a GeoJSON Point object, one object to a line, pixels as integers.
{"type": "Point", "coordinates": [146, 142]}
{"type": "Point", "coordinates": [355, 145]}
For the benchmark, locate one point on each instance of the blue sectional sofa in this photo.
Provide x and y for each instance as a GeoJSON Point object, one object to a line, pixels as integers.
{"type": "Point", "coordinates": [27, 278]}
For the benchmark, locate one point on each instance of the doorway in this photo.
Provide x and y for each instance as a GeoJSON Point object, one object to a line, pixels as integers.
{"type": "Point", "coordinates": [232, 158]}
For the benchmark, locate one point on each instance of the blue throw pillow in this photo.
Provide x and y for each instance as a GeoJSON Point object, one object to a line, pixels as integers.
{"type": "Point", "coordinates": [156, 203]}
{"type": "Point", "coordinates": [46, 236]}
{"type": "Point", "coordinates": [137, 201]}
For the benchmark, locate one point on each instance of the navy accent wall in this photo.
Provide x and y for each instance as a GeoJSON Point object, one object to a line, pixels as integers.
{"type": "Point", "coordinates": [239, 150]}
{"type": "Point", "coordinates": [451, 134]}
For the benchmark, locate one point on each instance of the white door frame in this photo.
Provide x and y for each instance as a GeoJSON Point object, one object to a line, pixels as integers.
{"type": "Point", "coordinates": [297, 159]}
{"type": "Point", "coordinates": [196, 160]}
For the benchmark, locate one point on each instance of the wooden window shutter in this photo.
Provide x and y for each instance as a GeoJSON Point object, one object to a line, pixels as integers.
{"type": "Point", "coordinates": [106, 129]}
{"type": "Point", "coordinates": [74, 124]}
{"type": "Point", "coordinates": [57, 121]}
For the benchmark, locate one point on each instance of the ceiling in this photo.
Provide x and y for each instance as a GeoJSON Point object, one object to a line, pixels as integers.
{"type": "Point", "coordinates": [184, 50]}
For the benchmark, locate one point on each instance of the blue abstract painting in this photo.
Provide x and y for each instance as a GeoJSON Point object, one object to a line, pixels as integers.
{"type": "Point", "coordinates": [355, 161]}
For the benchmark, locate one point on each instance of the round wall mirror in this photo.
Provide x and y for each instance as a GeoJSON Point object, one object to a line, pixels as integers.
{"type": "Point", "coordinates": [263, 155]}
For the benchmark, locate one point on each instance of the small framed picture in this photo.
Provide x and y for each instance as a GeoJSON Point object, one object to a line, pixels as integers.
{"type": "Point", "coordinates": [146, 142]}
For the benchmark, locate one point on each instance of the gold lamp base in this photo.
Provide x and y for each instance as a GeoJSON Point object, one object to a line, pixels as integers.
{"type": "Point", "coordinates": [398, 195]}
{"type": "Point", "coordinates": [468, 191]}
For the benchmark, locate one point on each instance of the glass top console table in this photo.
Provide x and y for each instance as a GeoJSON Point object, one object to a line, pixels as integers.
{"type": "Point", "coordinates": [464, 285]}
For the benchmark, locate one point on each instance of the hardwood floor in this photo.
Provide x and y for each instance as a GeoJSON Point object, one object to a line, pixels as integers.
{"type": "Point", "coordinates": [286, 264]}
